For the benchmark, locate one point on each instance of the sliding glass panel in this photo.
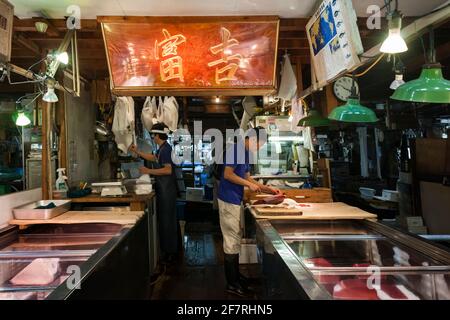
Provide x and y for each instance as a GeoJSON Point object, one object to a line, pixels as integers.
{"type": "Point", "coordinates": [36, 274]}
{"type": "Point", "coordinates": [311, 228]}
{"type": "Point", "coordinates": [357, 253]}
{"type": "Point", "coordinates": [393, 286]}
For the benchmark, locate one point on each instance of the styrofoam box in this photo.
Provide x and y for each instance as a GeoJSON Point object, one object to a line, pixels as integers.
{"type": "Point", "coordinates": [248, 254]}
{"type": "Point", "coordinates": [414, 221]}
{"type": "Point", "coordinates": [418, 230]}
{"type": "Point", "coordinates": [194, 194]}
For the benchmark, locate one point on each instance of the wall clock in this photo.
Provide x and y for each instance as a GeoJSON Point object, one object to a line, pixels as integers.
{"type": "Point", "coordinates": [342, 88]}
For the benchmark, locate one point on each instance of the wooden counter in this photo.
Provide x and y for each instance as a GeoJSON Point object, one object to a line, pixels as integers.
{"type": "Point", "coordinates": [137, 202]}
{"type": "Point", "coordinates": [316, 195]}
{"type": "Point", "coordinates": [322, 211]}
{"type": "Point", "coordinates": [77, 217]}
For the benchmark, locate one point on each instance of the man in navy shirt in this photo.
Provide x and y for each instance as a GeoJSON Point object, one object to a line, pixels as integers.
{"type": "Point", "coordinates": [236, 176]}
{"type": "Point", "coordinates": [166, 190]}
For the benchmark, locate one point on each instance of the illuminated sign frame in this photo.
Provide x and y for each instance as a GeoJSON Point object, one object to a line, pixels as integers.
{"type": "Point", "coordinates": [165, 49]}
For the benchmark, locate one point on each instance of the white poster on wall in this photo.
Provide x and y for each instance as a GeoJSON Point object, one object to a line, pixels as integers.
{"type": "Point", "coordinates": [334, 39]}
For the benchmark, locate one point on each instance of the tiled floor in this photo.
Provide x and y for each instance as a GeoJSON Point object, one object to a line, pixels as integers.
{"type": "Point", "coordinates": [198, 273]}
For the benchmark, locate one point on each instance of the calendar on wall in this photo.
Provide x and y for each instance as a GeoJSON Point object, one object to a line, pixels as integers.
{"type": "Point", "coordinates": [335, 42]}
{"type": "Point", "coordinates": [6, 24]}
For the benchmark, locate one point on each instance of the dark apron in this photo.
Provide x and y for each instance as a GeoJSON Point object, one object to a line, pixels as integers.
{"type": "Point", "coordinates": [166, 199]}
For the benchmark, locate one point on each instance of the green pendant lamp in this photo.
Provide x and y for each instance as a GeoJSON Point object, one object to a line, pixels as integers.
{"type": "Point", "coordinates": [431, 87]}
{"type": "Point", "coordinates": [353, 111]}
{"type": "Point", "coordinates": [314, 120]}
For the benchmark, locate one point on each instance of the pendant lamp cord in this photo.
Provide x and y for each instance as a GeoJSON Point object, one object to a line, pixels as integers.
{"type": "Point", "coordinates": [432, 58]}
{"type": "Point", "coordinates": [430, 54]}
{"type": "Point", "coordinates": [368, 69]}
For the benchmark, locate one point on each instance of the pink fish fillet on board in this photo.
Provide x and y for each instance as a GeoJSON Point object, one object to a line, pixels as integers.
{"type": "Point", "coordinates": [40, 272]}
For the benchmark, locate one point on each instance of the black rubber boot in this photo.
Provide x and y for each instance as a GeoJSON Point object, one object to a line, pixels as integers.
{"type": "Point", "coordinates": [232, 276]}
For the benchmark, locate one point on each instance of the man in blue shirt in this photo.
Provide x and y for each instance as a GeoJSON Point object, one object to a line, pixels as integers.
{"type": "Point", "coordinates": [236, 176]}
{"type": "Point", "coordinates": [166, 190]}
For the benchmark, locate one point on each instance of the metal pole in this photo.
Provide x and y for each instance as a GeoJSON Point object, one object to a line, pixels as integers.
{"type": "Point", "coordinates": [23, 161]}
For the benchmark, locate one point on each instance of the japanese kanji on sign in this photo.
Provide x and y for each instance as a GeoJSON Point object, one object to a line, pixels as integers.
{"type": "Point", "coordinates": [191, 55]}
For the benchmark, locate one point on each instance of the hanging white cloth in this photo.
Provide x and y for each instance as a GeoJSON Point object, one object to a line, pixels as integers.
{"type": "Point", "coordinates": [148, 114]}
{"type": "Point", "coordinates": [170, 113]}
{"type": "Point", "coordinates": [296, 114]}
{"type": "Point", "coordinates": [307, 136]}
{"type": "Point", "coordinates": [308, 143]}
{"type": "Point", "coordinates": [288, 85]}
{"type": "Point", "coordinates": [362, 133]}
{"type": "Point", "coordinates": [160, 110]}
{"type": "Point", "coordinates": [123, 123]}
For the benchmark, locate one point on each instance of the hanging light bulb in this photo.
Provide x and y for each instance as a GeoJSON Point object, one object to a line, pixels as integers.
{"type": "Point", "coordinates": [50, 95]}
{"type": "Point", "coordinates": [394, 42]}
{"type": "Point", "coordinates": [399, 69]}
{"type": "Point", "coordinates": [397, 82]}
{"type": "Point", "coordinates": [217, 99]}
{"type": "Point", "coordinates": [63, 57]}
{"type": "Point", "coordinates": [22, 120]}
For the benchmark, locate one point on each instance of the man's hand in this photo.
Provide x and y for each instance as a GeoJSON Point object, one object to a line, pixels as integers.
{"type": "Point", "coordinates": [143, 170]}
{"type": "Point", "coordinates": [276, 191]}
{"type": "Point", "coordinates": [133, 148]}
{"type": "Point", "coordinates": [254, 187]}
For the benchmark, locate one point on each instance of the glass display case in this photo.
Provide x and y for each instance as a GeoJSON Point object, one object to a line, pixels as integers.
{"type": "Point", "coordinates": [34, 262]}
{"type": "Point", "coordinates": [352, 260]}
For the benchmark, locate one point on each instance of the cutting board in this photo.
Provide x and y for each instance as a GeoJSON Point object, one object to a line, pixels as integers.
{"type": "Point", "coordinates": [74, 217]}
{"type": "Point", "coordinates": [278, 211]}
{"type": "Point", "coordinates": [321, 211]}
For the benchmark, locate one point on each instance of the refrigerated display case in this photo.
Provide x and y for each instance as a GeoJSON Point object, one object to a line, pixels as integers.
{"type": "Point", "coordinates": [350, 260]}
{"type": "Point", "coordinates": [35, 262]}
{"type": "Point", "coordinates": [77, 261]}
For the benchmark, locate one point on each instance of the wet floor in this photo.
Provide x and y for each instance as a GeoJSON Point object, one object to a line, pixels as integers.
{"type": "Point", "coordinates": [198, 271]}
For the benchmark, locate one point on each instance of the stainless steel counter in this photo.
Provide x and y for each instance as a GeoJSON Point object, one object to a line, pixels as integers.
{"type": "Point", "coordinates": [350, 260]}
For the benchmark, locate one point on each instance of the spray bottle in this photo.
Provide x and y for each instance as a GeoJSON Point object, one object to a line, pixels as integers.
{"type": "Point", "coordinates": [61, 184]}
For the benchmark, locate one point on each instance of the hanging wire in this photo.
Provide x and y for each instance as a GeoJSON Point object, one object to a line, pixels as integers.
{"type": "Point", "coordinates": [358, 75]}
{"type": "Point", "coordinates": [387, 4]}
{"type": "Point", "coordinates": [424, 49]}
{"type": "Point", "coordinates": [34, 99]}
{"type": "Point", "coordinates": [36, 63]}
{"type": "Point", "coordinates": [23, 97]}
{"type": "Point", "coordinates": [23, 82]}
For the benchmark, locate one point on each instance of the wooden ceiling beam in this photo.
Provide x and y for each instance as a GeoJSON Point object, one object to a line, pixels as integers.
{"type": "Point", "coordinates": [83, 44]}
{"type": "Point", "coordinates": [88, 35]}
{"type": "Point", "coordinates": [293, 44]}
{"type": "Point", "coordinates": [28, 44]}
{"type": "Point", "coordinates": [27, 25]}
{"type": "Point", "coordinates": [298, 52]}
